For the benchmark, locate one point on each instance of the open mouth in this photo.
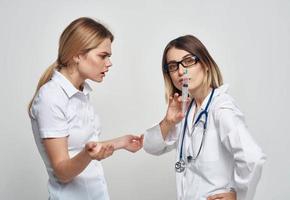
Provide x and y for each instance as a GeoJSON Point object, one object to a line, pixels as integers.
{"type": "Point", "coordinates": [104, 72]}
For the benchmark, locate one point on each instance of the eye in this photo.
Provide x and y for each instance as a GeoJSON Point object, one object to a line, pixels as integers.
{"type": "Point", "coordinates": [171, 66]}
{"type": "Point", "coordinates": [189, 61]}
{"type": "Point", "coordinates": [103, 56]}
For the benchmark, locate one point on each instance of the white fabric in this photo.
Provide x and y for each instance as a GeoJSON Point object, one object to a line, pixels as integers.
{"type": "Point", "coordinates": [229, 158]}
{"type": "Point", "coordinates": [60, 110]}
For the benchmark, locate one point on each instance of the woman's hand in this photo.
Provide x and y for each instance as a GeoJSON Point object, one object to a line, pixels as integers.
{"type": "Point", "coordinates": [224, 196]}
{"type": "Point", "coordinates": [132, 143]}
{"type": "Point", "coordinates": [174, 111]}
{"type": "Point", "coordinates": [99, 150]}
{"type": "Point", "coordinates": [173, 115]}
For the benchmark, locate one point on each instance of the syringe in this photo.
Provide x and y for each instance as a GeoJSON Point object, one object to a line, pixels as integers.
{"type": "Point", "coordinates": [185, 81]}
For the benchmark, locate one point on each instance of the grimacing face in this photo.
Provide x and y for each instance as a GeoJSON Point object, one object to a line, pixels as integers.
{"type": "Point", "coordinates": [196, 72]}
{"type": "Point", "coordinates": [96, 63]}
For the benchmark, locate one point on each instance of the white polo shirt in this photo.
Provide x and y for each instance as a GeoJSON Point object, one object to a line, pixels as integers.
{"type": "Point", "coordinates": [60, 110]}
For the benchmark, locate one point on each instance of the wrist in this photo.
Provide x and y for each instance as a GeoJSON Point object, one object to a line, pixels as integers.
{"type": "Point", "coordinates": [86, 154]}
{"type": "Point", "coordinates": [119, 143]}
{"type": "Point", "coordinates": [167, 123]}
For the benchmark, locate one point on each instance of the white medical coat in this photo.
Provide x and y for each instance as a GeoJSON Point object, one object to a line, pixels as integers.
{"type": "Point", "coordinates": [229, 158]}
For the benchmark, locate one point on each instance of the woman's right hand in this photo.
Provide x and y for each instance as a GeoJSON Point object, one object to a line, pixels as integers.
{"type": "Point", "coordinates": [99, 150]}
{"type": "Point", "coordinates": [173, 115]}
{"type": "Point", "coordinates": [174, 111]}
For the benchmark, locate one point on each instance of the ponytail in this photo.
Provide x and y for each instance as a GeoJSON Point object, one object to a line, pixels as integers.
{"type": "Point", "coordinates": [46, 76]}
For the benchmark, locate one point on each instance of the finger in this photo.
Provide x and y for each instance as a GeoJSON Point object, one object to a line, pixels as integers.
{"type": "Point", "coordinates": [174, 97]}
{"type": "Point", "coordinates": [109, 151]}
{"type": "Point", "coordinates": [101, 153]}
{"type": "Point", "coordinates": [216, 196]}
{"type": "Point", "coordinates": [134, 137]}
{"type": "Point", "coordinates": [180, 115]}
{"type": "Point", "coordinates": [170, 100]}
{"type": "Point", "coordinates": [91, 146]}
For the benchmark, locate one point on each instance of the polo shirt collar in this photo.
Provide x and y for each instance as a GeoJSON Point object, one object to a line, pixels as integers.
{"type": "Point", "coordinates": [67, 86]}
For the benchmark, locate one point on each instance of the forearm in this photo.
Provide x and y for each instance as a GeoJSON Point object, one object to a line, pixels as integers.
{"type": "Point", "coordinates": [118, 143]}
{"type": "Point", "coordinates": [66, 170]}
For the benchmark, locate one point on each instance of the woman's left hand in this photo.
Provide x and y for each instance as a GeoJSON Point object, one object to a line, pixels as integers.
{"type": "Point", "coordinates": [223, 196]}
{"type": "Point", "coordinates": [132, 143]}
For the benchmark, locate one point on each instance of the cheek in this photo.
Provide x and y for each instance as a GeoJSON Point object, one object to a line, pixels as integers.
{"type": "Point", "coordinates": [197, 77]}
{"type": "Point", "coordinates": [93, 65]}
{"type": "Point", "coordinates": [175, 81]}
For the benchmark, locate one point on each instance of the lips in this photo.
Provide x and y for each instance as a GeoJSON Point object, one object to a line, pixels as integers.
{"type": "Point", "coordinates": [103, 73]}
{"type": "Point", "coordinates": [180, 81]}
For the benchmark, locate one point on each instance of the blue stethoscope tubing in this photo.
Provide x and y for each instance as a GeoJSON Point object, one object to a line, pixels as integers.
{"type": "Point", "coordinates": [179, 166]}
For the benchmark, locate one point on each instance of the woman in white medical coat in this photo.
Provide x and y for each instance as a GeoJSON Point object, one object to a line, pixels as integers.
{"type": "Point", "coordinates": [217, 157]}
{"type": "Point", "coordinates": [65, 127]}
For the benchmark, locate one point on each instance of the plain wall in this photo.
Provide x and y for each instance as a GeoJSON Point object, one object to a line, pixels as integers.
{"type": "Point", "coordinates": [249, 40]}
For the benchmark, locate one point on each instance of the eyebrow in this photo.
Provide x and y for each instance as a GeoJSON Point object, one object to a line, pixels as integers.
{"type": "Point", "coordinates": [106, 53]}
{"type": "Point", "coordinates": [189, 54]}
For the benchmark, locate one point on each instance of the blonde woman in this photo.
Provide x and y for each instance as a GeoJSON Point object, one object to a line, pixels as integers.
{"type": "Point", "coordinates": [65, 127]}
{"type": "Point", "coordinates": [217, 157]}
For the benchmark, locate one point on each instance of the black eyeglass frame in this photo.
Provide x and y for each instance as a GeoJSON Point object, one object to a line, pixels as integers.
{"type": "Point", "coordinates": [165, 67]}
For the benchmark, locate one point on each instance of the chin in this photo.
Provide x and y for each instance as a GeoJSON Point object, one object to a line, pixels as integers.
{"type": "Point", "coordinates": [98, 80]}
{"type": "Point", "coordinates": [179, 87]}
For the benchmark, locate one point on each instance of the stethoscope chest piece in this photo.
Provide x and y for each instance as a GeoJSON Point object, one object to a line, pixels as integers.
{"type": "Point", "coordinates": [180, 166]}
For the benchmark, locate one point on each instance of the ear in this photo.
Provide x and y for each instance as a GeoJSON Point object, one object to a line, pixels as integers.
{"type": "Point", "coordinates": [76, 59]}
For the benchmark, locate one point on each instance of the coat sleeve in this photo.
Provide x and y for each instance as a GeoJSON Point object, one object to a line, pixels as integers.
{"type": "Point", "coordinates": [248, 156]}
{"type": "Point", "coordinates": [155, 144]}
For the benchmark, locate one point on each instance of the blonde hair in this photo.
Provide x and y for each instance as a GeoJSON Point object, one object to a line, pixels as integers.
{"type": "Point", "coordinates": [194, 46]}
{"type": "Point", "coordinates": [79, 37]}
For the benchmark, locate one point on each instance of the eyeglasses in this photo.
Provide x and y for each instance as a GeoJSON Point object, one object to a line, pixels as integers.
{"type": "Point", "coordinates": [186, 63]}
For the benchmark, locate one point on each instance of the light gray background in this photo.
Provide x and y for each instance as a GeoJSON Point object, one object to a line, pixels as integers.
{"type": "Point", "coordinates": [249, 40]}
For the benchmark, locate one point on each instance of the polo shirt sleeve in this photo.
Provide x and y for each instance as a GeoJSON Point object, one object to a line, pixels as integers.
{"type": "Point", "coordinates": [49, 112]}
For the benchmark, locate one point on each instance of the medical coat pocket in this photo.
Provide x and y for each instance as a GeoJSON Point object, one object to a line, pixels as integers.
{"type": "Point", "coordinates": [210, 149]}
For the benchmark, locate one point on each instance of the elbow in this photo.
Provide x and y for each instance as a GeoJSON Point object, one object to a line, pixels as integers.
{"type": "Point", "coordinates": [62, 179]}
{"type": "Point", "coordinates": [61, 176]}
{"type": "Point", "coordinates": [256, 161]}
{"type": "Point", "coordinates": [259, 158]}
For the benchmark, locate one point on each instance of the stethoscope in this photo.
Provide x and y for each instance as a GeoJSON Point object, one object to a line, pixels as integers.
{"type": "Point", "coordinates": [180, 165]}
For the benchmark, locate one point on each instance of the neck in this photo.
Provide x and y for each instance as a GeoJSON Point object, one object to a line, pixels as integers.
{"type": "Point", "coordinates": [73, 77]}
{"type": "Point", "coordinates": [199, 95]}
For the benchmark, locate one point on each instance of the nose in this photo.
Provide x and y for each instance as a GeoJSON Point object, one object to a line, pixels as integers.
{"type": "Point", "coordinates": [109, 63]}
{"type": "Point", "coordinates": [181, 70]}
